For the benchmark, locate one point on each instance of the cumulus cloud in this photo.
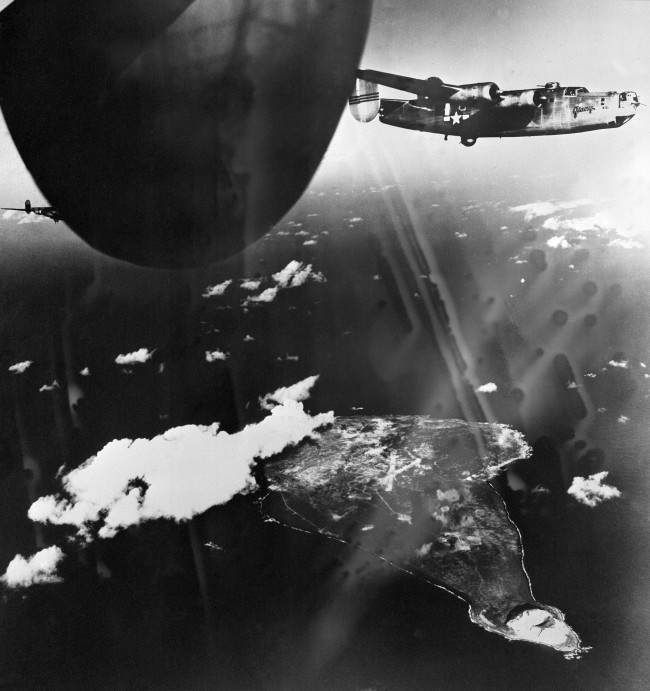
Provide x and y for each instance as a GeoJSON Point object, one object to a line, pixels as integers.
{"type": "Point", "coordinates": [175, 475]}
{"type": "Point", "coordinates": [39, 568]}
{"type": "Point", "coordinates": [214, 355]}
{"type": "Point", "coordinates": [49, 387]}
{"type": "Point", "coordinates": [136, 357]}
{"type": "Point", "coordinates": [622, 364]}
{"type": "Point", "coordinates": [250, 284]}
{"type": "Point", "coordinates": [558, 241]}
{"type": "Point", "coordinates": [283, 277]}
{"type": "Point", "coordinates": [490, 387]}
{"type": "Point", "coordinates": [32, 218]}
{"type": "Point", "coordinates": [20, 367]}
{"type": "Point", "coordinates": [298, 392]}
{"type": "Point", "coordinates": [591, 490]}
{"type": "Point", "coordinates": [248, 338]}
{"type": "Point", "coordinates": [579, 224]}
{"type": "Point", "coordinates": [303, 274]}
{"type": "Point", "coordinates": [625, 243]}
{"type": "Point", "coordinates": [295, 274]}
{"type": "Point", "coordinates": [267, 295]}
{"type": "Point", "coordinates": [85, 372]}
{"type": "Point", "coordinates": [216, 290]}
{"type": "Point", "coordinates": [546, 208]}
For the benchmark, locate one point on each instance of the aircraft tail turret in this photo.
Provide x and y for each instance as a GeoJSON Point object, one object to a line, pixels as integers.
{"type": "Point", "coordinates": [364, 101]}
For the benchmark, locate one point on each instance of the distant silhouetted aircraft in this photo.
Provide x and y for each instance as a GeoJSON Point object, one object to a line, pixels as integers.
{"type": "Point", "coordinates": [470, 111]}
{"type": "Point", "coordinates": [48, 211]}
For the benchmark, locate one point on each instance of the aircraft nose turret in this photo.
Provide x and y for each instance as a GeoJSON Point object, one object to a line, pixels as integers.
{"type": "Point", "coordinates": [622, 119]}
{"type": "Point", "coordinates": [628, 102]}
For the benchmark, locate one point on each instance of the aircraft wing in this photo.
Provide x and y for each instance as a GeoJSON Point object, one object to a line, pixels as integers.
{"type": "Point", "coordinates": [433, 87]}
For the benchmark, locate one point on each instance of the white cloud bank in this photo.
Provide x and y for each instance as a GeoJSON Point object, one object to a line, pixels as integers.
{"type": "Point", "coordinates": [20, 367]}
{"type": "Point", "coordinates": [547, 208]}
{"type": "Point", "coordinates": [40, 568]}
{"type": "Point", "coordinates": [295, 274]}
{"type": "Point", "coordinates": [298, 392]}
{"type": "Point", "coordinates": [559, 241]}
{"type": "Point", "coordinates": [250, 284]}
{"type": "Point", "coordinates": [267, 295]}
{"type": "Point", "coordinates": [591, 490]}
{"type": "Point", "coordinates": [178, 474]}
{"type": "Point", "coordinates": [581, 224]}
{"type": "Point", "coordinates": [139, 356]}
{"type": "Point", "coordinates": [216, 290]}
{"type": "Point", "coordinates": [490, 387]}
{"type": "Point", "coordinates": [625, 244]}
{"type": "Point", "coordinates": [214, 355]}
{"type": "Point", "coordinates": [32, 218]}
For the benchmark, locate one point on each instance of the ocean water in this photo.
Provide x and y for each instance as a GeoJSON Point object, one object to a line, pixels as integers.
{"type": "Point", "coordinates": [430, 290]}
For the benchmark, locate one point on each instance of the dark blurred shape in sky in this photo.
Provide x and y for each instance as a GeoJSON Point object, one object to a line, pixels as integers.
{"type": "Point", "coordinates": [176, 132]}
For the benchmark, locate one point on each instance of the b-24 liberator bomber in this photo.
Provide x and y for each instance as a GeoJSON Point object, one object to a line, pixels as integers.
{"type": "Point", "coordinates": [471, 111]}
{"type": "Point", "coordinates": [48, 211]}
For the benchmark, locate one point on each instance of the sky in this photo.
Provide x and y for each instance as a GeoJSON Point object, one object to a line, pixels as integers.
{"type": "Point", "coordinates": [601, 45]}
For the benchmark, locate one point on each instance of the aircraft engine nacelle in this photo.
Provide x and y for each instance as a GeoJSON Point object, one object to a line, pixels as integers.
{"type": "Point", "coordinates": [529, 97]}
{"type": "Point", "coordinates": [481, 91]}
{"type": "Point", "coordinates": [364, 102]}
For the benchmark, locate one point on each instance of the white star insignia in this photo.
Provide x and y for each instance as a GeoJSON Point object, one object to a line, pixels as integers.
{"type": "Point", "coordinates": [455, 118]}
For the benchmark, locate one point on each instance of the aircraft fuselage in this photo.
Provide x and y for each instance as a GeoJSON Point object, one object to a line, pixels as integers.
{"type": "Point", "coordinates": [561, 110]}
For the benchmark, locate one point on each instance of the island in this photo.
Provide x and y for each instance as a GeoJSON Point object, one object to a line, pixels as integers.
{"type": "Point", "coordinates": [417, 494]}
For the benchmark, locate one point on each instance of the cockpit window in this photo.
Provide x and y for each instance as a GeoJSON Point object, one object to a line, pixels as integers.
{"type": "Point", "coordinates": [573, 90]}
